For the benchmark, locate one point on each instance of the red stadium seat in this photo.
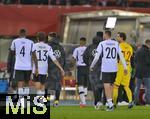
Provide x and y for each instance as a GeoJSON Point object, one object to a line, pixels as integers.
{"type": "Point", "coordinates": [3, 66]}
{"type": "Point", "coordinates": [69, 84]}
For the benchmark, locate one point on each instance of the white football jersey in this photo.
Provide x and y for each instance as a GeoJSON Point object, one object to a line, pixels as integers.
{"type": "Point", "coordinates": [23, 48]}
{"type": "Point", "coordinates": [43, 51]}
{"type": "Point", "coordinates": [110, 49]}
{"type": "Point", "coordinates": [78, 55]}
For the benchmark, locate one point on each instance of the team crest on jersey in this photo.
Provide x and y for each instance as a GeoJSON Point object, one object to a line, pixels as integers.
{"type": "Point", "coordinates": [57, 53]}
{"type": "Point", "coordinates": [93, 52]}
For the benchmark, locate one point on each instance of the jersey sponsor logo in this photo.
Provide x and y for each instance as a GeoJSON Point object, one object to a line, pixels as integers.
{"type": "Point", "coordinates": [57, 53]}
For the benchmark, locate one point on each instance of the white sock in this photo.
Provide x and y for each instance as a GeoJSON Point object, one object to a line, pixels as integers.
{"type": "Point", "coordinates": [81, 93]}
{"type": "Point", "coordinates": [52, 97]}
{"type": "Point", "coordinates": [40, 92]}
{"type": "Point", "coordinates": [109, 101]}
{"type": "Point", "coordinates": [14, 92]}
{"type": "Point", "coordinates": [82, 97]}
{"type": "Point", "coordinates": [26, 91]}
{"type": "Point", "coordinates": [20, 92]}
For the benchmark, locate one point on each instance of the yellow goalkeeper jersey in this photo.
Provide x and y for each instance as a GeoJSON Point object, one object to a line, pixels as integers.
{"type": "Point", "coordinates": [127, 52]}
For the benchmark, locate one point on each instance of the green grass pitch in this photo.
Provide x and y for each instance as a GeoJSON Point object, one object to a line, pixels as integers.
{"type": "Point", "coordinates": [75, 112]}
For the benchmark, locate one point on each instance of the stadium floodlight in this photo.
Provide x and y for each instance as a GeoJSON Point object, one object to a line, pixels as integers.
{"type": "Point", "coordinates": [110, 23]}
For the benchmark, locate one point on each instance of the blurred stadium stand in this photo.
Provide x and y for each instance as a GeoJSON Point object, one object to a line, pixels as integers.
{"type": "Point", "coordinates": [125, 3]}
{"type": "Point", "coordinates": [36, 18]}
{"type": "Point", "coordinates": [69, 85]}
{"type": "Point", "coordinates": [3, 66]}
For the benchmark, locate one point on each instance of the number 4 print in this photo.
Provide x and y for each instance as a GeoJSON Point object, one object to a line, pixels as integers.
{"type": "Point", "coordinates": [22, 51]}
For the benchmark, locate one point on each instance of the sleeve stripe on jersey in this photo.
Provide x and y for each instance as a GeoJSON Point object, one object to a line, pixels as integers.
{"type": "Point", "coordinates": [14, 46]}
{"type": "Point", "coordinates": [77, 55]}
{"type": "Point", "coordinates": [31, 48]}
{"type": "Point", "coordinates": [102, 54]}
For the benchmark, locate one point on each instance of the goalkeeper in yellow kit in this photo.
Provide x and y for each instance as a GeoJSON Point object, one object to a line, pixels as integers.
{"type": "Point", "coordinates": [121, 78]}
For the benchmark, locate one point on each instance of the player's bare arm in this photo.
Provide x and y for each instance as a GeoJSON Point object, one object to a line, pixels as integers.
{"type": "Point", "coordinates": [73, 61]}
{"type": "Point", "coordinates": [34, 58]}
{"type": "Point", "coordinates": [123, 61]}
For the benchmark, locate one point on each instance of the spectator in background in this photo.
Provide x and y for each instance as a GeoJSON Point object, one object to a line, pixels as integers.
{"type": "Point", "coordinates": [40, 2]}
{"type": "Point", "coordinates": [94, 76]}
{"type": "Point", "coordinates": [36, 2]}
{"type": "Point", "coordinates": [84, 2]}
{"type": "Point", "coordinates": [58, 2]}
{"type": "Point", "coordinates": [9, 1]}
{"type": "Point", "coordinates": [142, 67]}
{"type": "Point", "coordinates": [54, 74]}
{"type": "Point", "coordinates": [132, 81]}
{"type": "Point", "coordinates": [26, 1]}
{"type": "Point", "coordinates": [122, 3]}
{"type": "Point", "coordinates": [102, 2]}
{"type": "Point", "coordinates": [74, 2]}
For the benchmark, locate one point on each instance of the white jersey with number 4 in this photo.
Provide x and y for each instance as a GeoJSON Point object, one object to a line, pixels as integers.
{"type": "Point", "coordinates": [23, 49]}
{"type": "Point", "coordinates": [43, 51]}
{"type": "Point", "coordinates": [109, 49]}
{"type": "Point", "coordinates": [78, 55]}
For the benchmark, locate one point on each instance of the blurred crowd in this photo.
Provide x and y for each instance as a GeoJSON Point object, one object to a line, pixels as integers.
{"type": "Point", "coordinates": [104, 3]}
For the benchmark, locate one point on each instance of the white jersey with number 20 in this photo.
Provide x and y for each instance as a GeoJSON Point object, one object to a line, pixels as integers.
{"type": "Point", "coordinates": [109, 49]}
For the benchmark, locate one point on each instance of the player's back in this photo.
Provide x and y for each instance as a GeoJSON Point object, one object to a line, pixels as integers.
{"type": "Point", "coordinates": [127, 52]}
{"type": "Point", "coordinates": [42, 52]}
{"type": "Point", "coordinates": [23, 48]}
{"type": "Point", "coordinates": [78, 55]}
{"type": "Point", "coordinates": [109, 55]}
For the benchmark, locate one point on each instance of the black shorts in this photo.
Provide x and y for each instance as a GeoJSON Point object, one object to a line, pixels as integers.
{"type": "Point", "coordinates": [82, 75]}
{"type": "Point", "coordinates": [21, 75]}
{"type": "Point", "coordinates": [109, 77]}
{"type": "Point", "coordinates": [40, 78]}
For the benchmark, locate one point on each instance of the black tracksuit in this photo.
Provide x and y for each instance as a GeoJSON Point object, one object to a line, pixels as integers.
{"type": "Point", "coordinates": [94, 76]}
{"type": "Point", "coordinates": [142, 62]}
{"type": "Point", "coordinates": [54, 74]}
